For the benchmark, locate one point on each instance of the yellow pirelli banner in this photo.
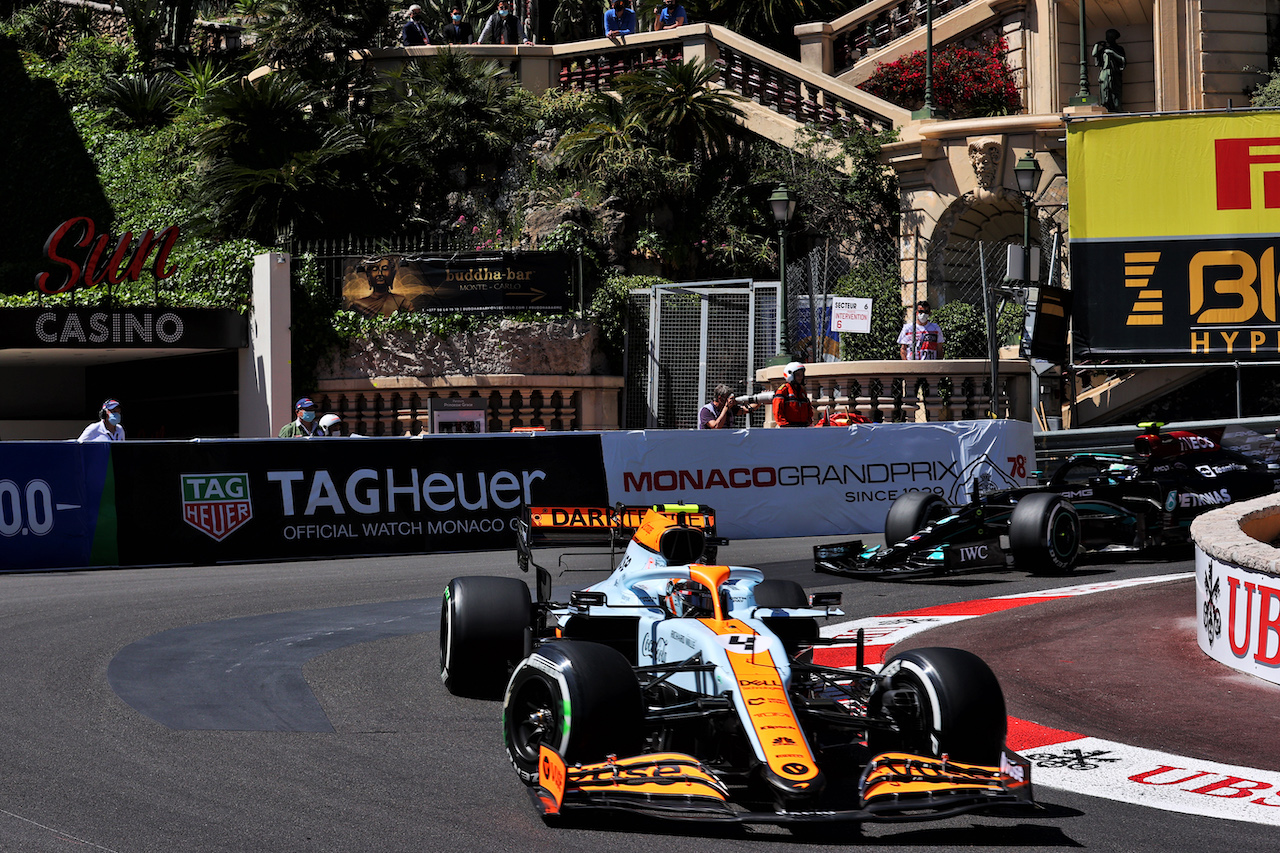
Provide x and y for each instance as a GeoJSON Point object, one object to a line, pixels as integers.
{"type": "Point", "coordinates": [1175, 222]}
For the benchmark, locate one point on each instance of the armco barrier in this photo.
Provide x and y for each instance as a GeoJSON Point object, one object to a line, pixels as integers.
{"type": "Point", "coordinates": [1240, 625]}
{"type": "Point", "coordinates": [65, 505]}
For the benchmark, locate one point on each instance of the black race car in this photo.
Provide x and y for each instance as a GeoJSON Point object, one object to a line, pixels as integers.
{"type": "Point", "coordinates": [1095, 502]}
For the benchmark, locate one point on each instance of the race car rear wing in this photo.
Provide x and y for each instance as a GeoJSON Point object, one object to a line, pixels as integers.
{"type": "Point", "coordinates": [599, 527]}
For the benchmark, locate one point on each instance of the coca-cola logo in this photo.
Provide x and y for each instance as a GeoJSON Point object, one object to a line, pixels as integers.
{"type": "Point", "coordinates": [90, 259]}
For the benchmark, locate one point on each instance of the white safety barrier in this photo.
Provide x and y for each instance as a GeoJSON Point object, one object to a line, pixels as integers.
{"type": "Point", "coordinates": [1238, 586]}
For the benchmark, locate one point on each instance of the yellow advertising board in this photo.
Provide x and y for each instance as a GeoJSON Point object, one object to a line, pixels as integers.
{"type": "Point", "coordinates": [1175, 222]}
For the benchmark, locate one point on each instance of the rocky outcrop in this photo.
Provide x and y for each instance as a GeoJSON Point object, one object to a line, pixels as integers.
{"type": "Point", "coordinates": [570, 347]}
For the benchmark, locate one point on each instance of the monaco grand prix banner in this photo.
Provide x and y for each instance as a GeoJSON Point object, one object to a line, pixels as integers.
{"type": "Point", "coordinates": [1175, 222]}
{"type": "Point", "coordinates": [815, 482]}
{"type": "Point", "coordinates": [207, 502]}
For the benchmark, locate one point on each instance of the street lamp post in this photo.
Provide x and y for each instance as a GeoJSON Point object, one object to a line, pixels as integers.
{"type": "Point", "coordinates": [1027, 173]}
{"type": "Point", "coordinates": [927, 111]}
{"type": "Point", "coordinates": [783, 202]}
{"type": "Point", "coordinates": [1083, 97]}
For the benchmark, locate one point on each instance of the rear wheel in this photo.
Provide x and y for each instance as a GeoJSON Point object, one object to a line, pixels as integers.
{"type": "Point", "coordinates": [483, 627]}
{"type": "Point", "coordinates": [911, 513]}
{"type": "Point", "coordinates": [1044, 534]}
{"type": "Point", "coordinates": [580, 699]}
{"type": "Point", "coordinates": [945, 701]}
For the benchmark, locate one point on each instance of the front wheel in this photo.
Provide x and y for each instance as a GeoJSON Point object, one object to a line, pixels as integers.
{"type": "Point", "coordinates": [945, 701]}
{"type": "Point", "coordinates": [580, 699]}
{"type": "Point", "coordinates": [1044, 534]}
{"type": "Point", "coordinates": [483, 624]}
{"type": "Point", "coordinates": [911, 513]}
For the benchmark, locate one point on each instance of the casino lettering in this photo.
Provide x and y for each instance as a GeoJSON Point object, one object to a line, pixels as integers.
{"type": "Point", "coordinates": [114, 327]}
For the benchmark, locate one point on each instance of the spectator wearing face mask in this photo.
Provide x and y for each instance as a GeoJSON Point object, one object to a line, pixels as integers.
{"type": "Point", "coordinates": [304, 424]}
{"type": "Point", "coordinates": [414, 31]}
{"type": "Point", "coordinates": [619, 20]}
{"type": "Point", "coordinates": [503, 27]}
{"type": "Point", "coordinates": [670, 15]}
{"type": "Point", "coordinates": [921, 339]}
{"type": "Point", "coordinates": [107, 427]}
{"type": "Point", "coordinates": [457, 31]}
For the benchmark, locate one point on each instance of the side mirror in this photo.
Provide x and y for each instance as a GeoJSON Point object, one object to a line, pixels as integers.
{"type": "Point", "coordinates": [825, 599]}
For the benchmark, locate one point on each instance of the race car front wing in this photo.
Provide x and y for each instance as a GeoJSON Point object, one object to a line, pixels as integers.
{"type": "Point", "coordinates": [894, 787]}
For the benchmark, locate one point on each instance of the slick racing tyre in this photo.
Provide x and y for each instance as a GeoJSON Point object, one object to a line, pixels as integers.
{"type": "Point", "coordinates": [580, 699]}
{"type": "Point", "coordinates": [911, 513]}
{"type": "Point", "coordinates": [945, 701]}
{"type": "Point", "coordinates": [1044, 534]}
{"type": "Point", "coordinates": [794, 631]}
{"type": "Point", "coordinates": [483, 627]}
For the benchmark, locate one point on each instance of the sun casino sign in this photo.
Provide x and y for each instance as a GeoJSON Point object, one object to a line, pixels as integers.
{"type": "Point", "coordinates": [87, 258]}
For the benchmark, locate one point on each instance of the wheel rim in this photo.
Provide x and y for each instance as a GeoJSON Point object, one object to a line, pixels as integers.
{"type": "Point", "coordinates": [532, 719]}
{"type": "Point", "coordinates": [1064, 535]}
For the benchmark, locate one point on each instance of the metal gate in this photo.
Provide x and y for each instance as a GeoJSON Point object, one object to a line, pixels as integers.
{"type": "Point", "coordinates": [684, 339]}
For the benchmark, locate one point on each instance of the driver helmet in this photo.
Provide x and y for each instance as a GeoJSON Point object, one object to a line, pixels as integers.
{"type": "Point", "coordinates": [687, 598]}
{"type": "Point", "coordinates": [1122, 471]}
{"type": "Point", "coordinates": [792, 369]}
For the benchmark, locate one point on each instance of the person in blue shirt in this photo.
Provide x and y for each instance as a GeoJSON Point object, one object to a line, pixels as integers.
{"type": "Point", "coordinates": [619, 21]}
{"type": "Point", "coordinates": [670, 14]}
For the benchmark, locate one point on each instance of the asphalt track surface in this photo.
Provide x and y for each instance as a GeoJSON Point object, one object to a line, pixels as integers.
{"type": "Point", "coordinates": [297, 707]}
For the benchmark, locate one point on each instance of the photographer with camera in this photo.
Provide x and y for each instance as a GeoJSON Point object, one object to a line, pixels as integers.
{"type": "Point", "coordinates": [718, 413]}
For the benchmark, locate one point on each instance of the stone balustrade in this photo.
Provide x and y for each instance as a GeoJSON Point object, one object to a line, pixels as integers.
{"type": "Point", "coordinates": [398, 405]}
{"type": "Point", "coordinates": [913, 391]}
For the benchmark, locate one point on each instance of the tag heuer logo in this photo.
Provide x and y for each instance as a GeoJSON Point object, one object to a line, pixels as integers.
{"type": "Point", "coordinates": [216, 504]}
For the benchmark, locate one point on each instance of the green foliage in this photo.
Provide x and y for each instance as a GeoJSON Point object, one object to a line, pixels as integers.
{"type": "Point", "coordinates": [315, 338]}
{"type": "Point", "coordinates": [880, 283]}
{"type": "Point", "coordinates": [608, 309]}
{"type": "Point", "coordinates": [87, 69]}
{"type": "Point", "coordinates": [967, 82]}
{"type": "Point", "coordinates": [964, 327]}
{"type": "Point", "coordinates": [298, 34]}
{"type": "Point", "coordinates": [680, 113]}
{"type": "Point", "coordinates": [141, 100]}
{"type": "Point", "coordinates": [1267, 93]}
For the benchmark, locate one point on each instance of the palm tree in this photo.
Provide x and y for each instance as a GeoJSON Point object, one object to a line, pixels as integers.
{"type": "Point", "coordinates": [683, 115]}
{"type": "Point", "coordinates": [457, 109]}
{"type": "Point", "coordinates": [268, 162]}
{"type": "Point", "coordinates": [301, 34]}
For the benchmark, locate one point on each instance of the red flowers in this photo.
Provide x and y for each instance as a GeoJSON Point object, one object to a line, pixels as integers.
{"type": "Point", "coordinates": [967, 82]}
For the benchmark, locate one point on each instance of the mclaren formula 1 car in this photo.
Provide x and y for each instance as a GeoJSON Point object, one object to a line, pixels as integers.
{"type": "Point", "coordinates": [684, 690]}
{"type": "Point", "coordinates": [1094, 502]}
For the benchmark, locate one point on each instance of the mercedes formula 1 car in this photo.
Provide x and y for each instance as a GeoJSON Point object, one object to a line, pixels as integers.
{"type": "Point", "coordinates": [685, 690]}
{"type": "Point", "coordinates": [1094, 502]}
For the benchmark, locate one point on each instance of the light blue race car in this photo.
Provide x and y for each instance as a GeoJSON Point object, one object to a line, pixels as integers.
{"type": "Point", "coordinates": [687, 690]}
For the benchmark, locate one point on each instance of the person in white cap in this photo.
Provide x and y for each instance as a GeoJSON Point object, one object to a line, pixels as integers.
{"type": "Point", "coordinates": [791, 406]}
{"type": "Point", "coordinates": [107, 427]}
{"type": "Point", "coordinates": [414, 32]}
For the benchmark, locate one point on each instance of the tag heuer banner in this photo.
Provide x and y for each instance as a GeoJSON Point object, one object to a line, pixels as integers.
{"type": "Point", "coordinates": [210, 502]}
{"type": "Point", "coordinates": [1175, 223]}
